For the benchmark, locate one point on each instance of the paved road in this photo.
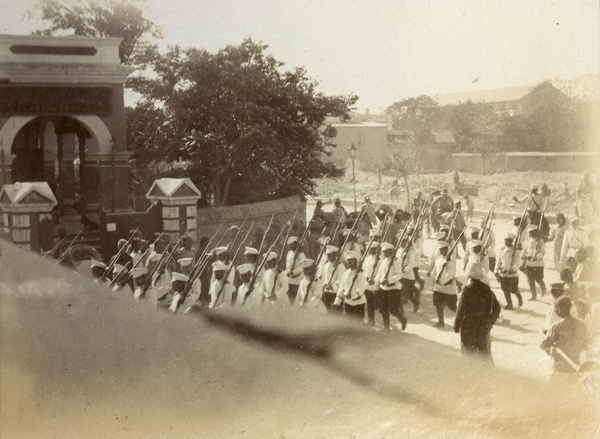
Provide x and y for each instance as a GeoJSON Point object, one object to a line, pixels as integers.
{"type": "Point", "coordinates": [515, 338]}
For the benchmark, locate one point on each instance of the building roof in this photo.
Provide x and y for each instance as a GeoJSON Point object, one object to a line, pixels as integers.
{"type": "Point", "coordinates": [484, 96]}
{"type": "Point", "coordinates": [27, 193]}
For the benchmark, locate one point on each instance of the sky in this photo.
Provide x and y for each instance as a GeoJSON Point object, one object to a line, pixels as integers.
{"type": "Point", "coordinates": [384, 50]}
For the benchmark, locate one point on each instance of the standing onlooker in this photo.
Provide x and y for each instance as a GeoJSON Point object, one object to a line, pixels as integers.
{"type": "Point", "coordinates": [557, 235]}
{"type": "Point", "coordinates": [470, 207]}
{"type": "Point", "coordinates": [532, 261]}
{"type": "Point", "coordinates": [566, 340]}
{"type": "Point", "coordinates": [478, 310]}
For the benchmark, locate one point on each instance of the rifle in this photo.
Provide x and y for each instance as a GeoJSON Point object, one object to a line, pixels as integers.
{"type": "Point", "coordinates": [260, 267]}
{"type": "Point", "coordinates": [539, 230]}
{"type": "Point", "coordinates": [329, 239]}
{"type": "Point", "coordinates": [297, 253]}
{"type": "Point", "coordinates": [280, 260]}
{"type": "Point", "coordinates": [164, 259]}
{"type": "Point", "coordinates": [118, 255]}
{"type": "Point", "coordinates": [114, 280]}
{"type": "Point", "coordinates": [490, 215]}
{"type": "Point", "coordinates": [449, 256]}
{"type": "Point", "coordinates": [411, 239]}
{"type": "Point", "coordinates": [54, 248]}
{"type": "Point", "coordinates": [226, 275]}
{"type": "Point", "coordinates": [234, 242]}
{"type": "Point", "coordinates": [61, 258]}
{"type": "Point", "coordinates": [519, 233]}
{"type": "Point", "coordinates": [262, 242]}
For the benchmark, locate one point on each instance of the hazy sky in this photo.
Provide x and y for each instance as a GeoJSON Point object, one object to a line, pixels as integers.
{"type": "Point", "coordinates": [385, 51]}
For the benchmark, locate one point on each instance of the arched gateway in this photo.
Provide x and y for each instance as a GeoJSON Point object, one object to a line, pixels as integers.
{"type": "Point", "coordinates": [62, 121]}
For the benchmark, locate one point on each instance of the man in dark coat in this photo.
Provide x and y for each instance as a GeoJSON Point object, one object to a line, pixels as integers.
{"type": "Point", "coordinates": [478, 310]}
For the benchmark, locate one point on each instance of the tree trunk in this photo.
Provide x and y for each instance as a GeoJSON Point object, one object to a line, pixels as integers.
{"type": "Point", "coordinates": [407, 191]}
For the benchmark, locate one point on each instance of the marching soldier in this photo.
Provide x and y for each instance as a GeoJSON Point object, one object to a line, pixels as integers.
{"type": "Point", "coordinates": [388, 284]}
{"type": "Point", "coordinates": [274, 285]}
{"type": "Point", "coordinates": [293, 268]}
{"type": "Point", "coordinates": [575, 239]}
{"type": "Point", "coordinates": [98, 269]}
{"type": "Point", "coordinates": [491, 244]}
{"type": "Point", "coordinates": [370, 270]}
{"type": "Point", "coordinates": [221, 291]}
{"type": "Point", "coordinates": [193, 295]}
{"type": "Point", "coordinates": [507, 271]}
{"type": "Point", "coordinates": [246, 298]}
{"type": "Point", "coordinates": [444, 288]}
{"type": "Point", "coordinates": [178, 283]}
{"type": "Point", "coordinates": [351, 290]}
{"type": "Point", "coordinates": [532, 260]}
{"type": "Point", "coordinates": [310, 290]}
{"type": "Point", "coordinates": [535, 199]}
{"type": "Point", "coordinates": [476, 254]}
{"type": "Point", "coordinates": [409, 259]}
{"type": "Point", "coordinates": [330, 276]}
{"type": "Point", "coordinates": [140, 279]}
{"type": "Point", "coordinates": [120, 279]}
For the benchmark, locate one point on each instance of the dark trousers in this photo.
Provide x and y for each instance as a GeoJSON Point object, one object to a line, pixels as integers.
{"type": "Point", "coordinates": [409, 291]}
{"type": "Point", "coordinates": [441, 299]}
{"type": "Point", "coordinates": [292, 293]}
{"type": "Point", "coordinates": [535, 274]}
{"type": "Point", "coordinates": [371, 305]}
{"type": "Point", "coordinates": [355, 311]}
{"type": "Point", "coordinates": [328, 299]}
{"type": "Point", "coordinates": [510, 285]}
{"type": "Point", "coordinates": [463, 240]}
{"type": "Point", "coordinates": [390, 302]}
{"type": "Point", "coordinates": [475, 340]}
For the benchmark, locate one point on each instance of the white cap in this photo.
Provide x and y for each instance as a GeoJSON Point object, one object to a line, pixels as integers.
{"type": "Point", "coordinates": [352, 255]}
{"type": "Point", "coordinates": [250, 251]}
{"type": "Point", "coordinates": [220, 250]}
{"type": "Point", "coordinates": [444, 227]}
{"type": "Point", "coordinates": [509, 236]}
{"type": "Point", "coordinates": [154, 257]}
{"type": "Point", "coordinates": [306, 263]}
{"type": "Point", "coordinates": [292, 239]}
{"type": "Point", "coordinates": [475, 270]}
{"type": "Point", "coordinates": [244, 268]}
{"type": "Point", "coordinates": [475, 229]}
{"type": "Point", "coordinates": [443, 244]}
{"type": "Point", "coordinates": [117, 268]}
{"type": "Point", "coordinates": [387, 246]}
{"type": "Point", "coordinates": [440, 235]}
{"type": "Point", "coordinates": [97, 264]}
{"type": "Point", "coordinates": [179, 276]}
{"type": "Point", "coordinates": [184, 262]}
{"type": "Point", "coordinates": [374, 244]}
{"type": "Point", "coordinates": [375, 232]}
{"type": "Point", "coordinates": [533, 186]}
{"type": "Point", "coordinates": [331, 249]}
{"type": "Point", "coordinates": [219, 266]}
{"type": "Point", "coordinates": [271, 255]}
{"type": "Point", "coordinates": [475, 242]}
{"type": "Point", "coordinates": [532, 227]}
{"type": "Point", "coordinates": [138, 272]}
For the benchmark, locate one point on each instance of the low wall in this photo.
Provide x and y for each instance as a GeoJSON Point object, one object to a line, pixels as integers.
{"type": "Point", "coordinates": [209, 219]}
{"type": "Point", "coordinates": [525, 161]}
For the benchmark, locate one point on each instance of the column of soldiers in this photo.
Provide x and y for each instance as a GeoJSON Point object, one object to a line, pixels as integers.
{"type": "Point", "coordinates": [334, 265]}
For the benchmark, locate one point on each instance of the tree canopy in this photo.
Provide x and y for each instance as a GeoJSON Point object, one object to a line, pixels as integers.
{"type": "Point", "coordinates": [98, 18]}
{"type": "Point", "coordinates": [241, 128]}
{"type": "Point", "coordinates": [415, 114]}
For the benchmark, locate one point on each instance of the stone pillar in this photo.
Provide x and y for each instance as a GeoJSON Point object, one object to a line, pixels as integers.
{"type": "Point", "coordinates": [27, 210]}
{"type": "Point", "coordinates": [178, 197]}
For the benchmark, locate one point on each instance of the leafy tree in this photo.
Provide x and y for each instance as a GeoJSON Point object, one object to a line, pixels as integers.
{"type": "Point", "coordinates": [97, 18]}
{"type": "Point", "coordinates": [475, 128]}
{"type": "Point", "coordinates": [242, 129]}
{"type": "Point", "coordinates": [417, 115]}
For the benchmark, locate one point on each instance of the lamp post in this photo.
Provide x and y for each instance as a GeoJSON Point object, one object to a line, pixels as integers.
{"type": "Point", "coordinates": [352, 150]}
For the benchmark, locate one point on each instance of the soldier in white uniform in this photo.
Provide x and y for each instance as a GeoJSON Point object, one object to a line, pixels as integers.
{"type": "Point", "coordinates": [476, 255]}
{"type": "Point", "coordinates": [444, 287]}
{"type": "Point", "coordinates": [408, 259]}
{"type": "Point", "coordinates": [574, 240]}
{"type": "Point", "coordinates": [221, 290]}
{"type": "Point", "coordinates": [178, 284]}
{"type": "Point", "coordinates": [98, 269]}
{"type": "Point", "coordinates": [387, 282]}
{"type": "Point", "coordinates": [120, 285]}
{"type": "Point", "coordinates": [532, 259]}
{"type": "Point", "coordinates": [274, 285]}
{"type": "Point", "coordinates": [507, 271]}
{"type": "Point", "coordinates": [491, 244]}
{"type": "Point", "coordinates": [369, 267]}
{"type": "Point", "coordinates": [193, 295]}
{"type": "Point", "coordinates": [140, 278]}
{"type": "Point", "coordinates": [247, 298]}
{"type": "Point", "coordinates": [330, 275]}
{"type": "Point", "coordinates": [310, 291]}
{"type": "Point", "coordinates": [293, 267]}
{"type": "Point", "coordinates": [351, 290]}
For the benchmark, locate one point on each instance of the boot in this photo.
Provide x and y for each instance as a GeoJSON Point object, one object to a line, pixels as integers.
{"type": "Point", "coordinates": [533, 292]}
{"type": "Point", "coordinates": [509, 304]}
{"type": "Point", "coordinates": [440, 314]}
{"type": "Point", "coordinates": [519, 298]}
{"type": "Point", "coordinates": [543, 286]}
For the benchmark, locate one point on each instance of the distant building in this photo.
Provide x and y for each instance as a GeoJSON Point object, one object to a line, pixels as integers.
{"type": "Point", "coordinates": [369, 138]}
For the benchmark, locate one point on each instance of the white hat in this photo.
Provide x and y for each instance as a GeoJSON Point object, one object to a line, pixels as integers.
{"type": "Point", "coordinates": [138, 272]}
{"type": "Point", "coordinates": [271, 255]}
{"type": "Point", "coordinates": [220, 250]}
{"type": "Point", "coordinates": [475, 229]}
{"type": "Point", "coordinates": [533, 186]}
{"type": "Point", "coordinates": [374, 244]}
{"type": "Point", "coordinates": [219, 266]}
{"type": "Point", "coordinates": [250, 251]}
{"type": "Point", "coordinates": [509, 236]}
{"type": "Point", "coordinates": [98, 264]}
{"type": "Point", "coordinates": [118, 268]}
{"type": "Point", "coordinates": [306, 263]}
{"type": "Point", "coordinates": [244, 268]}
{"type": "Point", "coordinates": [352, 255]}
{"type": "Point", "coordinates": [184, 262]}
{"type": "Point", "coordinates": [387, 246]}
{"type": "Point", "coordinates": [440, 235]}
{"type": "Point", "coordinates": [323, 240]}
{"type": "Point", "coordinates": [444, 227]}
{"type": "Point", "coordinates": [375, 232]}
{"type": "Point", "coordinates": [292, 239]}
{"type": "Point", "coordinates": [443, 244]}
{"type": "Point", "coordinates": [179, 276]}
{"type": "Point", "coordinates": [475, 242]}
{"type": "Point", "coordinates": [475, 270]}
{"type": "Point", "coordinates": [532, 228]}
{"type": "Point", "coordinates": [331, 249]}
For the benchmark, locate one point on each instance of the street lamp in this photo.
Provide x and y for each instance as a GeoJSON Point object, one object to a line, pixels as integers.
{"type": "Point", "coordinates": [353, 150]}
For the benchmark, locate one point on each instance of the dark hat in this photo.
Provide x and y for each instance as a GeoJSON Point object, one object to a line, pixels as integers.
{"type": "Point", "coordinates": [557, 286]}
